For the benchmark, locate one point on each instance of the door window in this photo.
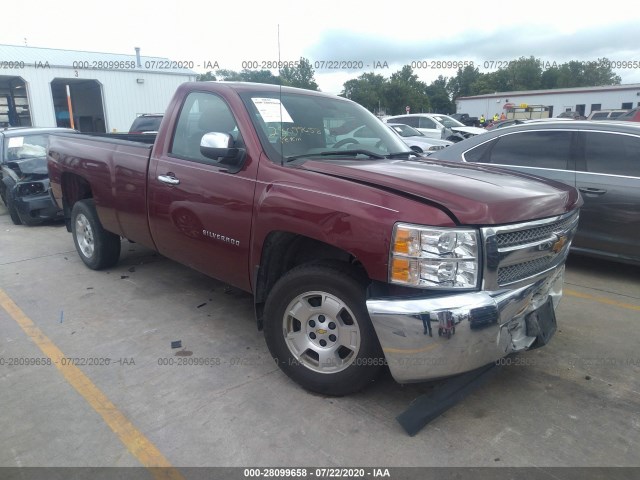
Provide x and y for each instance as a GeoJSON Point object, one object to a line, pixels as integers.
{"type": "Point", "coordinates": [479, 153]}
{"type": "Point", "coordinates": [201, 113]}
{"type": "Point", "coordinates": [612, 154]}
{"type": "Point", "coordinates": [541, 149]}
{"type": "Point", "coordinates": [411, 121]}
{"type": "Point", "coordinates": [426, 122]}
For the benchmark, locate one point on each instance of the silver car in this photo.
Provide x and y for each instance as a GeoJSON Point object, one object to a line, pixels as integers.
{"type": "Point", "coordinates": [600, 158]}
{"type": "Point", "coordinates": [435, 125]}
{"type": "Point", "coordinates": [416, 140]}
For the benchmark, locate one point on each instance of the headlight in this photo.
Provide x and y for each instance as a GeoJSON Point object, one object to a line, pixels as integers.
{"type": "Point", "coordinates": [29, 188]}
{"type": "Point", "coordinates": [436, 147]}
{"type": "Point", "coordinates": [434, 257]}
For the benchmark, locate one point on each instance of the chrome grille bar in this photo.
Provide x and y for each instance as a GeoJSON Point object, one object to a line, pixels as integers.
{"type": "Point", "coordinates": [517, 253]}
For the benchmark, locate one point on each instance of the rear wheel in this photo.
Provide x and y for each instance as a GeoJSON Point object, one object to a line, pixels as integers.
{"type": "Point", "coordinates": [97, 248]}
{"type": "Point", "coordinates": [318, 329]}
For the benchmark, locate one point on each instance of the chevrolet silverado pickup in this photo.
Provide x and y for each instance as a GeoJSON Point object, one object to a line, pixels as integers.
{"type": "Point", "coordinates": [359, 256]}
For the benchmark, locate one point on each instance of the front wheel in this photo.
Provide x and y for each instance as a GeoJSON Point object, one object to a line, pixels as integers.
{"type": "Point", "coordinates": [97, 248]}
{"type": "Point", "coordinates": [318, 329]}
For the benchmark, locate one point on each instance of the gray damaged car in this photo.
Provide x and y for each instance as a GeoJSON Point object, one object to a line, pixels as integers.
{"type": "Point", "coordinates": [24, 180]}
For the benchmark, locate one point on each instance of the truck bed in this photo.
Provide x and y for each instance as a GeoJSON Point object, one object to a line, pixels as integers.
{"type": "Point", "coordinates": [117, 168]}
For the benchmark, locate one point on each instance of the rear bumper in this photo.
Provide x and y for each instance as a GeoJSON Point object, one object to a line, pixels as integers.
{"type": "Point", "coordinates": [434, 337]}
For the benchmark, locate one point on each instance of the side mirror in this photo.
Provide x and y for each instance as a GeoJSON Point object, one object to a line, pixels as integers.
{"type": "Point", "coordinates": [219, 147]}
{"type": "Point", "coordinates": [215, 145]}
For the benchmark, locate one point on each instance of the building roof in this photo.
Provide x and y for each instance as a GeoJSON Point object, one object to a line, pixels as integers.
{"type": "Point", "coordinates": [604, 88]}
{"type": "Point", "coordinates": [91, 60]}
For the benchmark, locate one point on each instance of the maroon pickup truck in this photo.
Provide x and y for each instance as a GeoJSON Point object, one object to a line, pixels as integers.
{"type": "Point", "coordinates": [359, 253]}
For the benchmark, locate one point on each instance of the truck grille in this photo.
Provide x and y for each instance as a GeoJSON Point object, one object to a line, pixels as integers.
{"type": "Point", "coordinates": [513, 273]}
{"type": "Point", "coordinates": [514, 253]}
{"type": "Point", "coordinates": [522, 237]}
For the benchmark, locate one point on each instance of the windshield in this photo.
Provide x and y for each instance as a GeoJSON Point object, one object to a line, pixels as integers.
{"type": "Point", "coordinates": [297, 125]}
{"type": "Point", "coordinates": [448, 121]}
{"type": "Point", "coordinates": [406, 130]}
{"type": "Point", "coordinates": [27, 146]}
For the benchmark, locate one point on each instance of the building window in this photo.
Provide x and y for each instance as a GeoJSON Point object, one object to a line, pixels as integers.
{"type": "Point", "coordinates": [627, 105]}
{"type": "Point", "coordinates": [596, 106]}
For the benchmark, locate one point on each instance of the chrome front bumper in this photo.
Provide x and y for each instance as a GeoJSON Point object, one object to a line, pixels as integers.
{"type": "Point", "coordinates": [428, 338]}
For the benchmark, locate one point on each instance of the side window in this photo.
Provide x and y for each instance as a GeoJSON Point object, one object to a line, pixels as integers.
{"type": "Point", "coordinates": [599, 115]}
{"type": "Point", "coordinates": [201, 113]}
{"type": "Point", "coordinates": [427, 123]}
{"type": "Point", "coordinates": [411, 121]}
{"type": "Point", "coordinates": [479, 153]}
{"type": "Point", "coordinates": [545, 149]}
{"type": "Point", "coordinates": [612, 154]}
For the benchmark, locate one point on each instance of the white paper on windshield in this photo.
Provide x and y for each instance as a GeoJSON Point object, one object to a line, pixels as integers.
{"type": "Point", "coordinates": [15, 142]}
{"type": "Point", "coordinates": [272, 110]}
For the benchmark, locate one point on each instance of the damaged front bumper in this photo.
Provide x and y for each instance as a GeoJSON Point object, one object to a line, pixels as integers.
{"type": "Point", "coordinates": [36, 207]}
{"type": "Point", "coordinates": [435, 337]}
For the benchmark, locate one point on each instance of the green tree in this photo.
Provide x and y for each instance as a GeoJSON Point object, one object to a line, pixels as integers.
{"type": "Point", "coordinates": [439, 96]}
{"type": "Point", "coordinates": [301, 76]}
{"type": "Point", "coordinates": [404, 89]}
{"type": "Point", "coordinates": [524, 74]}
{"type": "Point", "coordinates": [599, 73]}
{"type": "Point", "coordinates": [367, 90]}
{"type": "Point", "coordinates": [462, 85]}
{"type": "Point", "coordinates": [205, 77]}
{"type": "Point", "coordinates": [257, 76]}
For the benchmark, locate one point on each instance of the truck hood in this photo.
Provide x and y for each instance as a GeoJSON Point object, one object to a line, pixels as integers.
{"type": "Point", "coordinates": [469, 130]}
{"type": "Point", "coordinates": [471, 194]}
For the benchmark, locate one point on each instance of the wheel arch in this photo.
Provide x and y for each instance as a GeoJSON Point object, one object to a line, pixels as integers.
{"type": "Point", "coordinates": [283, 251]}
{"type": "Point", "coordinates": [74, 188]}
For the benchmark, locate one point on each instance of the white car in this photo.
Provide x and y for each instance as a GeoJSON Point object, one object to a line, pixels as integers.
{"type": "Point", "coordinates": [435, 125]}
{"type": "Point", "coordinates": [416, 140]}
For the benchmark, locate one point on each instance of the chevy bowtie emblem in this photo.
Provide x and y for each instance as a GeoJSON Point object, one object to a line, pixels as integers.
{"type": "Point", "coordinates": [558, 244]}
{"type": "Point", "coordinates": [321, 331]}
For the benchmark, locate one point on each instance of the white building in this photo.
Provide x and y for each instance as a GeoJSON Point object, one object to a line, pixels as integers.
{"type": "Point", "coordinates": [107, 90]}
{"type": "Point", "coordinates": [583, 100]}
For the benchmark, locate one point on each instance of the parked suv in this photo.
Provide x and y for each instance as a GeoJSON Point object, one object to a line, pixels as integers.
{"type": "Point", "coordinates": [601, 159]}
{"type": "Point", "coordinates": [435, 125]}
{"type": "Point", "coordinates": [146, 123]}
{"type": "Point", "coordinates": [606, 114]}
{"type": "Point", "coordinates": [631, 115]}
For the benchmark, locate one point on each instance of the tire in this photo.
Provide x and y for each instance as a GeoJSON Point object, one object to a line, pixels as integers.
{"type": "Point", "coordinates": [13, 213]}
{"type": "Point", "coordinates": [316, 303]}
{"type": "Point", "coordinates": [97, 248]}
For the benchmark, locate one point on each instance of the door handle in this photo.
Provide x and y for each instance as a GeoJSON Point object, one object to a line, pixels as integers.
{"type": "Point", "coordinates": [592, 191]}
{"type": "Point", "coordinates": [169, 179]}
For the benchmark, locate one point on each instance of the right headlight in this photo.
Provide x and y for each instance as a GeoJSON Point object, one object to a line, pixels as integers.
{"type": "Point", "coordinates": [431, 257]}
{"type": "Point", "coordinates": [29, 188]}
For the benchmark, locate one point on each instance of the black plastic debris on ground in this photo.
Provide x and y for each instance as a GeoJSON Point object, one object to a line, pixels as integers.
{"type": "Point", "coordinates": [431, 405]}
{"type": "Point", "coordinates": [176, 344]}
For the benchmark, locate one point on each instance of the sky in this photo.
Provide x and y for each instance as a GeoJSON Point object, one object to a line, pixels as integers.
{"type": "Point", "coordinates": [372, 36]}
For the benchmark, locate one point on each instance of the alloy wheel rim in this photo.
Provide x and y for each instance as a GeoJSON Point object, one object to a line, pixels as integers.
{"type": "Point", "coordinates": [321, 332]}
{"type": "Point", "coordinates": [84, 235]}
